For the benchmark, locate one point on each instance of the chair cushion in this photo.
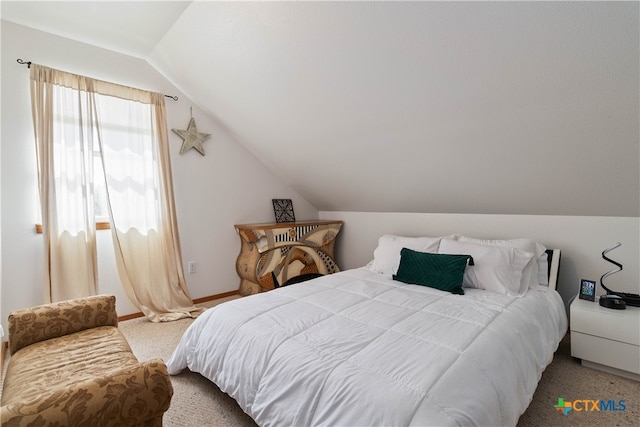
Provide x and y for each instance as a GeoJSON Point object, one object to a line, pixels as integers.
{"type": "Point", "coordinates": [57, 363]}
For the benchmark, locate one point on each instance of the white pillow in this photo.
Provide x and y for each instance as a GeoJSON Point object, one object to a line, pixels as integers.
{"type": "Point", "coordinates": [386, 257]}
{"type": "Point", "coordinates": [531, 275]}
{"type": "Point", "coordinates": [495, 268]}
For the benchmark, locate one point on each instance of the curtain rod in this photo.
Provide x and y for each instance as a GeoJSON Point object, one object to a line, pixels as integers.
{"type": "Point", "coordinates": [28, 64]}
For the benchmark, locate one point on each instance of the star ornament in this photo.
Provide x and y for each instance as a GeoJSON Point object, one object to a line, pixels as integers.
{"type": "Point", "coordinates": [191, 137]}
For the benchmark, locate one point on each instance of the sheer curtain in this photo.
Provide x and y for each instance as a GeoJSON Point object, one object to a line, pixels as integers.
{"type": "Point", "coordinates": [64, 118]}
{"type": "Point", "coordinates": [129, 145]}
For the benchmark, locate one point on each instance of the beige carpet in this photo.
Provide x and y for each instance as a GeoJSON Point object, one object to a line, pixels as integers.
{"type": "Point", "coordinates": [198, 402]}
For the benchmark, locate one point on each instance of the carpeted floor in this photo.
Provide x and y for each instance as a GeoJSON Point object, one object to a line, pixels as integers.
{"type": "Point", "coordinates": [198, 402]}
{"type": "Point", "coordinates": [565, 377]}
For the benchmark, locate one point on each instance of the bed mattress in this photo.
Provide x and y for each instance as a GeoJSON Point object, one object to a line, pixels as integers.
{"type": "Point", "coordinates": [358, 348]}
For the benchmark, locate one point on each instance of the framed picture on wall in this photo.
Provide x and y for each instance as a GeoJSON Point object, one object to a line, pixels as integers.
{"type": "Point", "coordinates": [283, 210]}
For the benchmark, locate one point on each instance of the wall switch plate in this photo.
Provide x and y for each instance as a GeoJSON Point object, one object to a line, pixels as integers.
{"type": "Point", "coordinates": [193, 266]}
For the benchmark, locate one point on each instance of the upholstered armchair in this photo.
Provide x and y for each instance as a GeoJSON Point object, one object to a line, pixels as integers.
{"type": "Point", "coordinates": [71, 366]}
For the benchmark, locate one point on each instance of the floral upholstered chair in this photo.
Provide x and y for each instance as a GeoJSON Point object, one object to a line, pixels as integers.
{"type": "Point", "coordinates": [71, 366]}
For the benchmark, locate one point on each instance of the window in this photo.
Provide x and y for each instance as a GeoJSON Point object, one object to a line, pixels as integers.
{"type": "Point", "coordinates": [81, 124]}
{"type": "Point", "coordinates": [126, 132]}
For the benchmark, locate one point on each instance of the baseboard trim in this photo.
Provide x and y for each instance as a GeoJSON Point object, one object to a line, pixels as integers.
{"type": "Point", "coordinates": [130, 316]}
{"type": "Point", "coordinates": [215, 297]}
{"type": "Point", "coordinates": [195, 301]}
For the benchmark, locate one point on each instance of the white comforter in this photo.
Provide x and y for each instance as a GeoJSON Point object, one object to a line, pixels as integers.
{"type": "Point", "coordinates": [358, 349]}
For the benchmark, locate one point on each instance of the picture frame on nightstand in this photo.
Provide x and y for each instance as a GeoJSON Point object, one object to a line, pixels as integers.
{"type": "Point", "coordinates": [587, 290]}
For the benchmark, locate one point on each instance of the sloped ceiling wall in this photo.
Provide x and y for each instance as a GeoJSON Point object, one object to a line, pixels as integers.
{"type": "Point", "coordinates": [425, 106]}
{"type": "Point", "coordinates": [442, 107]}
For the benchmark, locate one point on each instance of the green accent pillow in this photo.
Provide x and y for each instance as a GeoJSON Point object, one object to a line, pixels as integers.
{"type": "Point", "coordinates": [438, 271]}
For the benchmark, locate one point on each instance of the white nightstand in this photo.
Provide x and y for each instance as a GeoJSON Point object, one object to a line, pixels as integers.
{"type": "Point", "coordinates": [605, 338]}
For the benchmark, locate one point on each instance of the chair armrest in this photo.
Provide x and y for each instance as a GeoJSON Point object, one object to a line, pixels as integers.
{"type": "Point", "coordinates": [53, 320]}
{"type": "Point", "coordinates": [133, 396]}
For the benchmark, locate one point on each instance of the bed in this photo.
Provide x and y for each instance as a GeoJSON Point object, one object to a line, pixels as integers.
{"type": "Point", "coordinates": [363, 347]}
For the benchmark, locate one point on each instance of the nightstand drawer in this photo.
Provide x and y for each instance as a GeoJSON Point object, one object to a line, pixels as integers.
{"type": "Point", "coordinates": [615, 354]}
{"type": "Point", "coordinates": [619, 325]}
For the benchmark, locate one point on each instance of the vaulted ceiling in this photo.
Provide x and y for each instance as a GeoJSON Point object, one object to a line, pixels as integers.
{"type": "Point", "coordinates": [456, 107]}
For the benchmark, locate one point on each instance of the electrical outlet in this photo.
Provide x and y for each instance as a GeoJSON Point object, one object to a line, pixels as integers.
{"type": "Point", "coordinates": [193, 266]}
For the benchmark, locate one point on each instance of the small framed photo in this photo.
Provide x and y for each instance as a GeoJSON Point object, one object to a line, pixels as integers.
{"type": "Point", "coordinates": [588, 290]}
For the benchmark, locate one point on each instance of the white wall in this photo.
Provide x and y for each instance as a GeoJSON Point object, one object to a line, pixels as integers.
{"type": "Point", "coordinates": [225, 187]}
{"type": "Point", "coordinates": [581, 239]}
